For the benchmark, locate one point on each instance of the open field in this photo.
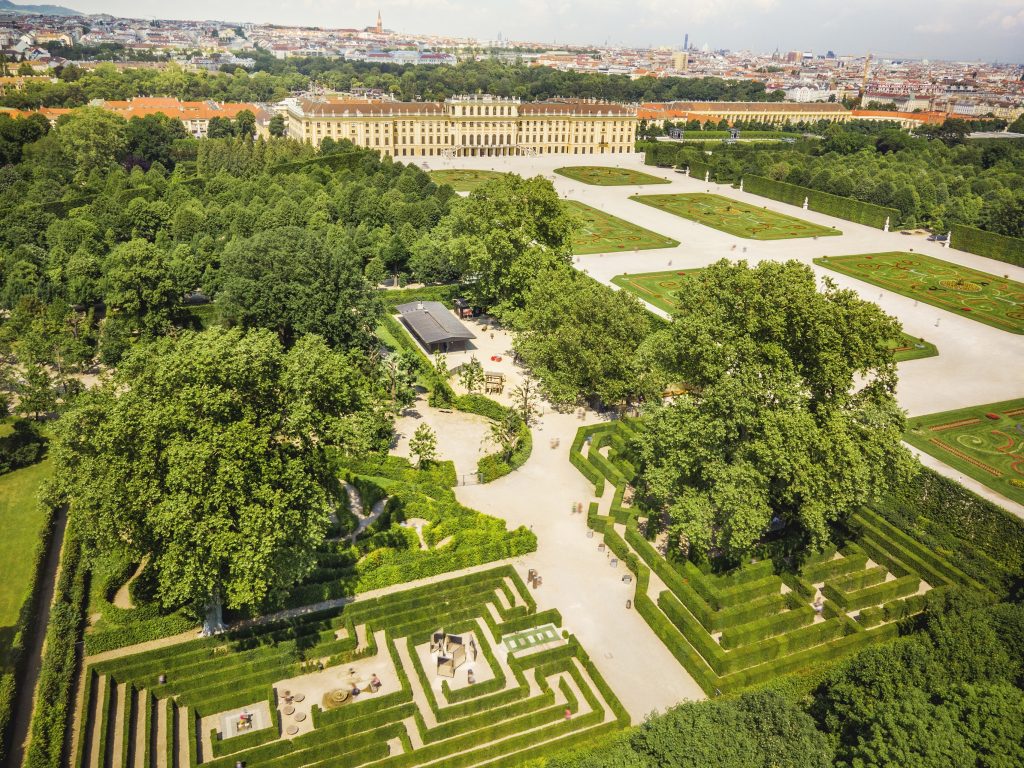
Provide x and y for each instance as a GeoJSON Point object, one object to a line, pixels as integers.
{"type": "Point", "coordinates": [989, 299]}
{"type": "Point", "coordinates": [601, 232]}
{"type": "Point", "coordinates": [608, 177]}
{"type": "Point", "coordinates": [985, 442]}
{"type": "Point", "coordinates": [463, 180]}
{"type": "Point", "coordinates": [281, 693]}
{"type": "Point", "coordinates": [658, 288]}
{"type": "Point", "coordinates": [735, 218]}
{"type": "Point", "coordinates": [753, 625]}
{"type": "Point", "coordinates": [21, 521]}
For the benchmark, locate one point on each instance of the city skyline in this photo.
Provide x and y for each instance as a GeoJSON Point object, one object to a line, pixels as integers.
{"type": "Point", "coordinates": [987, 30]}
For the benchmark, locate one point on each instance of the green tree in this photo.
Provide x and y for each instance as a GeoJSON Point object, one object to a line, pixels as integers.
{"type": "Point", "coordinates": [277, 126]}
{"type": "Point", "coordinates": [290, 280]}
{"type": "Point", "coordinates": [245, 124]}
{"type": "Point", "coordinates": [583, 339]}
{"type": "Point", "coordinates": [471, 375]}
{"type": "Point", "coordinates": [209, 455]}
{"type": "Point", "coordinates": [423, 445]}
{"type": "Point", "coordinates": [501, 236]}
{"type": "Point", "coordinates": [92, 139]}
{"type": "Point", "coordinates": [139, 285]}
{"type": "Point", "coordinates": [525, 398]}
{"type": "Point", "coordinates": [36, 394]}
{"type": "Point", "coordinates": [791, 412]}
{"type": "Point", "coordinates": [506, 433]}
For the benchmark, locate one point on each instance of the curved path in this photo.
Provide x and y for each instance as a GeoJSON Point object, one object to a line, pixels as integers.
{"type": "Point", "coordinates": [579, 580]}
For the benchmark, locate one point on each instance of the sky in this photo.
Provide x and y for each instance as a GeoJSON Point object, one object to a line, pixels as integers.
{"type": "Point", "coordinates": [986, 30]}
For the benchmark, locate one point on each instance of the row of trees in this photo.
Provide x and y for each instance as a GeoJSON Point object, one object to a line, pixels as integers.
{"type": "Point", "coordinates": [273, 79]}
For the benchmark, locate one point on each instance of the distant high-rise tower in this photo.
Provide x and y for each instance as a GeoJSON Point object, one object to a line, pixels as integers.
{"type": "Point", "coordinates": [686, 41]}
{"type": "Point", "coordinates": [380, 23]}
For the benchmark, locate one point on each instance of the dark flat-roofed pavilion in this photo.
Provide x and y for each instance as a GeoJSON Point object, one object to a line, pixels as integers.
{"type": "Point", "coordinates": [435, 326]}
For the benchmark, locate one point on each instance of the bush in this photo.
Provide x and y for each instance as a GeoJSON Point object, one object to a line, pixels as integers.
{"type": "Point", "coordinates": [880, 593]}
{"type": "Point", "coordinates": [23, 447]}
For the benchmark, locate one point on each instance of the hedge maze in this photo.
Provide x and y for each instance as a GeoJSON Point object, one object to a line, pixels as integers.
{"type": "Point", "coordinates": [734, 217]}
{"type": "Point", "coordinates": [172, 706]}
{"type": "Point", "coordinates": [751, 625]}
{"type": "Point", "coordinates": [990, 299]}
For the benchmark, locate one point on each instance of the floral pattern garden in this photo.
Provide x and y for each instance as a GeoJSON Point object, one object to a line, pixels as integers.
{"type": "Point", "coordinates": [608, 177]}
{"type": "Point", "coordinates": [463, 179]}
{"type": "Point", "coordinates": [735, 218]}
{"type": "Point", "coordinates": [600, 232]}
{"type": "Point", "coordinates": [990, 299]}
{"type": "Point", "coordinates": [985, 442]}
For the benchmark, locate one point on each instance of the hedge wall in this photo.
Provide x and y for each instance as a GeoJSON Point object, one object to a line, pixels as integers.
{"type": "Point", "coordinates": [971, 533]}
{"type": "Point", "coordinates": [54, 704]}
{"type": "Point", "coordinates": [822, 202]}
{"type": "Point", "coordinates": [999, 247]}
{"type": "Point", "coordinates": [24, 629]}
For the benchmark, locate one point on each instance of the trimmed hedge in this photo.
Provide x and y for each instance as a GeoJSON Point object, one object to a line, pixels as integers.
{"type": "Point", "coordinates": [24, 629]}
{"type": "Point", "coordinates": [880, 593]}
{"type": "Point", "coordinates": [822, 202]}
{"type": "Point", "coordinates": [973, 534]}
{"type": "Point", "coordinates": [769, 626]}
{"type": "Point", "coordinates": [54, 704]}
{"type": "Point", "coordinates": [830, 569]}
{"type": "Point", "coordinates": [989, 244]}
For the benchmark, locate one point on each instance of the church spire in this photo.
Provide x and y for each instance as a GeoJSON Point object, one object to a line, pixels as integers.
{"type": "Point", "coordinates": [380, 23]}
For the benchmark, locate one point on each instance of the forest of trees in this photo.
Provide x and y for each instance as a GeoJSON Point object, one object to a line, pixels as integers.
{"type": "Point", "coordinates": [273, 79]}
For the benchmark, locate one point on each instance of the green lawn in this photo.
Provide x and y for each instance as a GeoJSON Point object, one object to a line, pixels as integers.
{"type": "Point", "coordinates": [735, 218]}
{"type": "Point", "coordinates": [600, 232]}
{"type": "Point", "coordinates": [989, 299]}
{"type": "Point", "coordinates": [462, 179]}
{"type": "Point", "coordinates": [985, 442]}
{"type": "Point", "coordinates": [608, 177]}
{"type": "Point", "coordinates": [21, 519]}
{"type": "Point", "coordinates": [658, 288]}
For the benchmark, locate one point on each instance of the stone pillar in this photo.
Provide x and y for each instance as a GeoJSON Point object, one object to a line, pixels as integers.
{"type": "Point", "coordinates": [886, 227]}
{"type": "Point", "coordinates": [707, 176]}
{"type": "Point", "coordinates": [949, 239]}
{"type": "Point", "coordinates": [741, 185]}
{"type": "Point", "coordinates": [805, 204]}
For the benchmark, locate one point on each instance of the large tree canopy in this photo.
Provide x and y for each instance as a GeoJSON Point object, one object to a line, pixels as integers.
{"type": "Point", "coordinates": [791, 411]}
{"type": "Point", "coordinates": [582, 338]}
{"type": "Point", "coordinates": [290, 280]}
{"type": "Point", "coordinates": [208, 454]}
{"type": "Point", "coordinates": [498, 239]}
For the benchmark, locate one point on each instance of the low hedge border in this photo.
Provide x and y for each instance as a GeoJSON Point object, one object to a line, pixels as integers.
{"type": "Point", "coordinates": [880, 593]}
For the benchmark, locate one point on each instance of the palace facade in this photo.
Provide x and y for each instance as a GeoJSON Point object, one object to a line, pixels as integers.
{"type": "Point", "coordinates": [468, 126]}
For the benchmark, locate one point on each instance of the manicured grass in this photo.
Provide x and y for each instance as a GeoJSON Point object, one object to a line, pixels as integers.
{"type": "Point", "coordinates": [991, 450]}
{"type": "Point", "coordinates": [463, 179]}
{"type": "Point", "coordinates": [910, 348]}
{"type": "Point", "coordinates": [735, 218]}
{"type": "Point", "coordinates": [608, 177]}
{"type": "Point", "coordinates": [989, 299]}
{"type": "Point", "coordinates": [21, 519]}
{"type": "Point", "coordinates": [600, 232]}
{"type": "Point", "coordinates": [658, 289]}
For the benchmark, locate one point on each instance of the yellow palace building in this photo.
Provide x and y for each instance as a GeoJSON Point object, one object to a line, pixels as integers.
{"type": "Point", "coordinates": [468, 126]}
